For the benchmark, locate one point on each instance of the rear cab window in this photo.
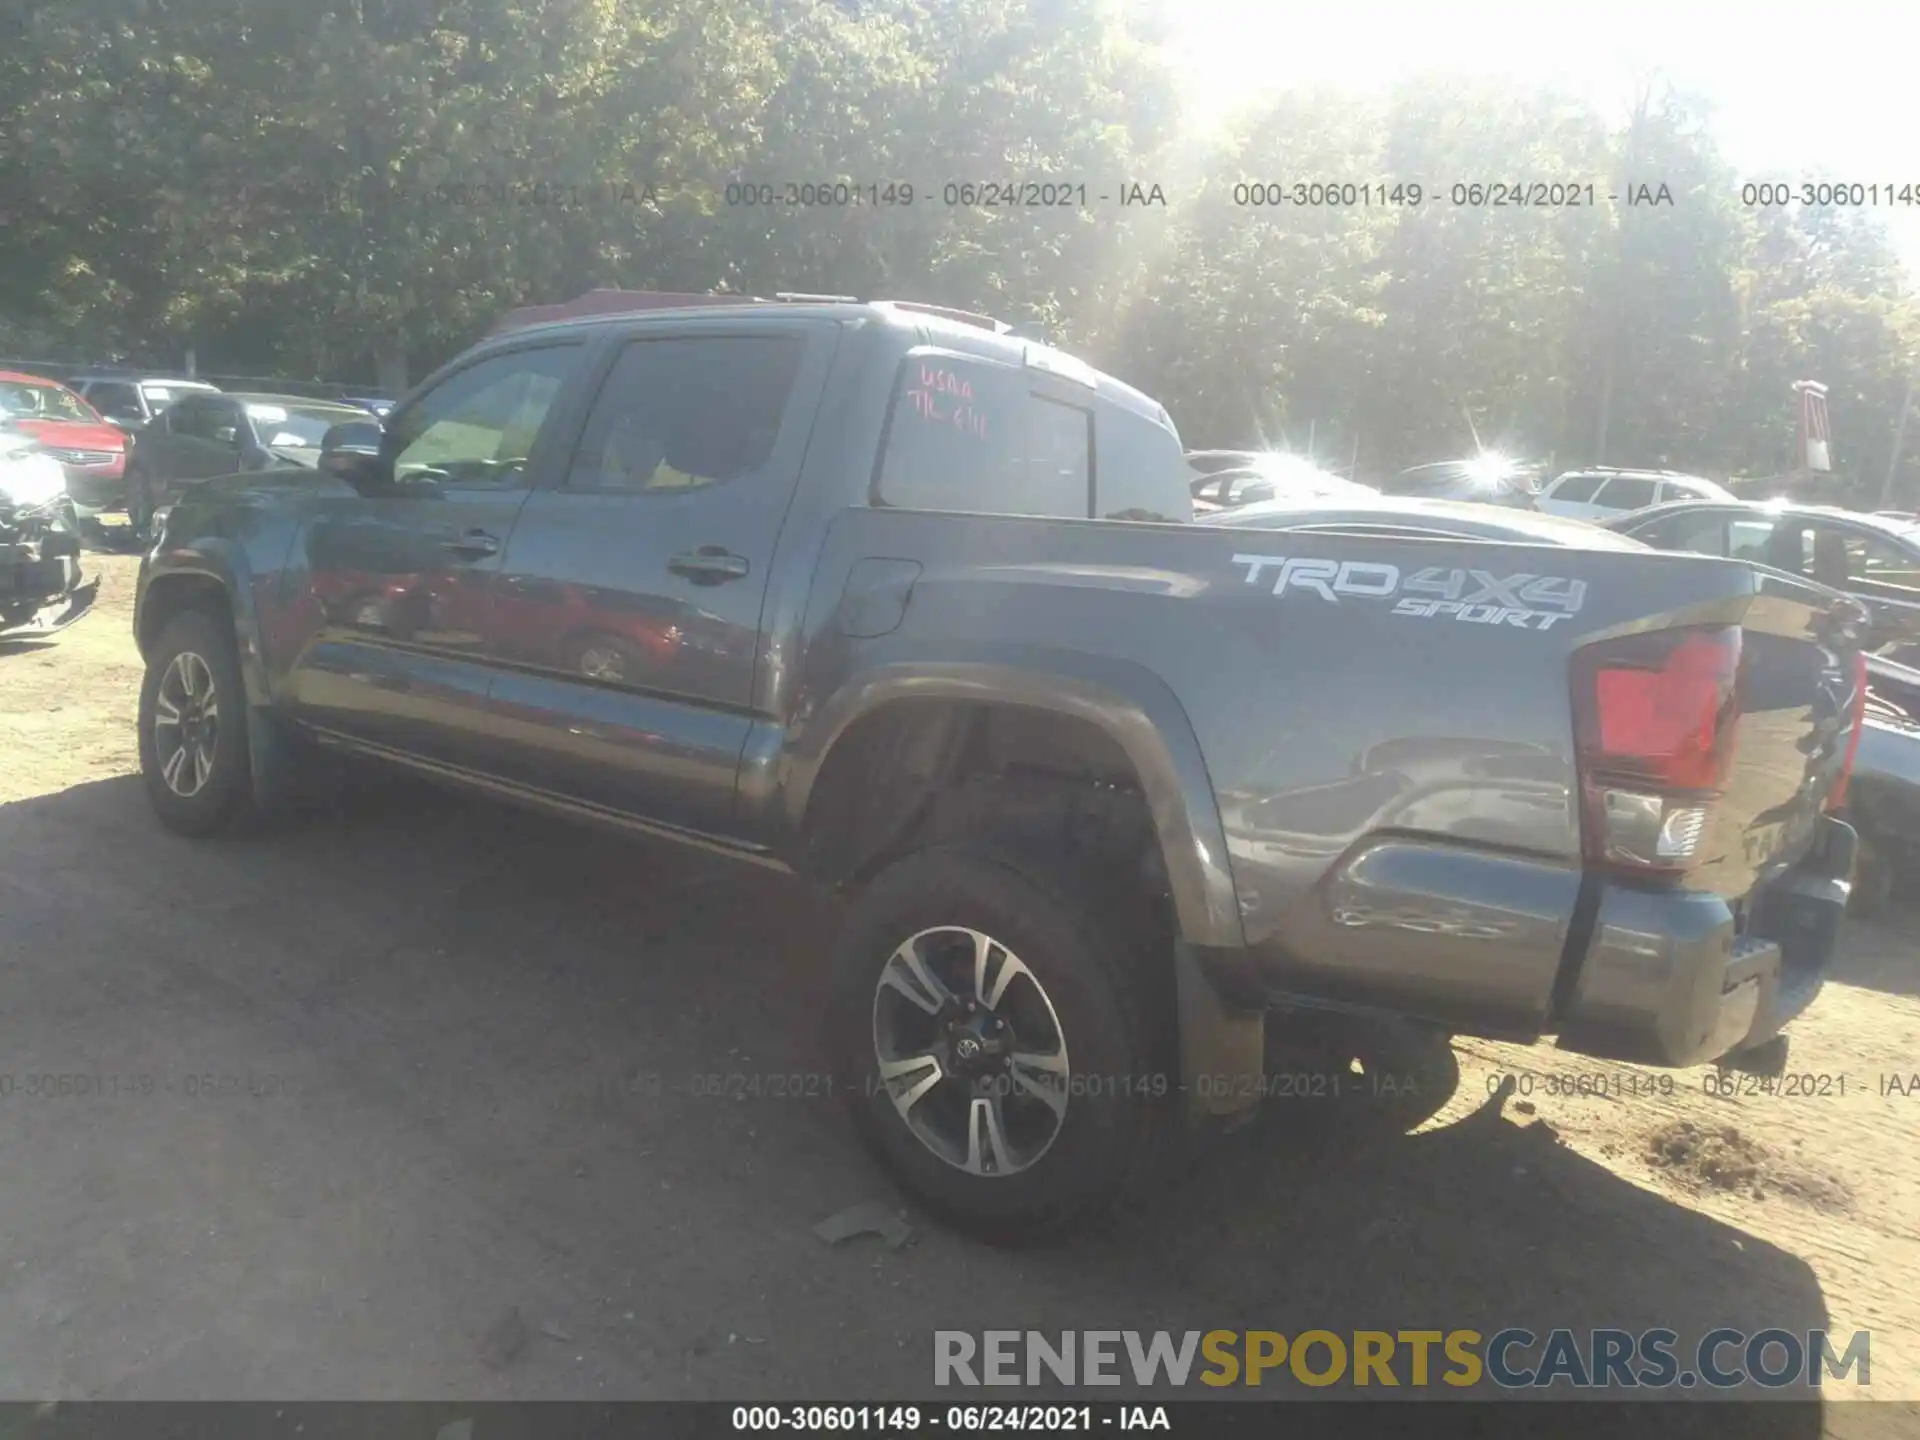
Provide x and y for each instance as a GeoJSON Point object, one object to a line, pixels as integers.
{"type": "Point", "coordinates": [1577, 489]}
{"type": "Point", "coordinates": [1626, 492]}
{"type": "Point", "coordinates": [970, 435]}
{"type": "Point", "coordinates": [980, 436]}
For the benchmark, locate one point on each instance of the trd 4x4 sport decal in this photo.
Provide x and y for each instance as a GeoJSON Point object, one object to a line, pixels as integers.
{"type": "Point", "coordinates": [1474, 597]}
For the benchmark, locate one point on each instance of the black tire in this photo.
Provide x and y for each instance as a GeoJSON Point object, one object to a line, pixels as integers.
{"type": "Point", "coordinates": [233, 796]}
{"type": "Point", "coordinates": [1102, 977]}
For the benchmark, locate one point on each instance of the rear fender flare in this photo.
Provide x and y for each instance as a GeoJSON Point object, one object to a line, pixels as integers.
{"type": "Point", "coordinates": [1130, 704]}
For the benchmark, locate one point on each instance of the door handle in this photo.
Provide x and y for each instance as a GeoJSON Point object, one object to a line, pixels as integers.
{"type": "Point", "coordinates": [475, 544]}
{"type": "Point", "coordinates": [709, 565]}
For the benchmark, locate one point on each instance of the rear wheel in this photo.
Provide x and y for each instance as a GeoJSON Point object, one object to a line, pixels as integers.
{"type": "Point", "coordinates": [994, 1036]}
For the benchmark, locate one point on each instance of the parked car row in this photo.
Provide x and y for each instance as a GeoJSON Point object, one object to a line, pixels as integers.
{"type": "Point", "coordinates": [111, 433]}
{"type": "Point", "coordinates": [91, 452]}
{"type": "Point", "coordinates": [220, 433]}
{"type": "Point", "coordinates": [1223, 479]}
{"type": "Point", "coordinates": [1488, 479]}
{"type": "Point", "coordinates": [1875, 560]}
{"type": "Point", "coordinates": [1598, 494]}
{"type": "Point", "coordinates": [130, 400]}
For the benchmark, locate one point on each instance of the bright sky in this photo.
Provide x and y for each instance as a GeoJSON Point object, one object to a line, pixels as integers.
{"type": "Point", "coordinates": [1826, 91]}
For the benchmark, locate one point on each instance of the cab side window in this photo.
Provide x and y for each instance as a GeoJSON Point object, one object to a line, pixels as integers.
{"type": "Point", "coordinates": [196, 417]}
{"type": "Point", "coordinates": [678, 414]}
{"type": "Point", "coordinates": [971, 436]}
{"type": "Point", "coordinates": [477, 427]}
{"type": "Point", "coordinates": [1882, 564]}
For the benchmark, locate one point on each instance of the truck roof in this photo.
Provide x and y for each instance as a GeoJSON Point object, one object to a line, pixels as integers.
{"type": "Point", "coordinates": [978, 334]}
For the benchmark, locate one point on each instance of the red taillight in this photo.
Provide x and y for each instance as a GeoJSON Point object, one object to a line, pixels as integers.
{"type": "Point", "coordinates": [1663, 706]}
{"type": "Point", "coordinates": [1655, 718]}
{"type": "Point", "coordinates": [1838, 798]}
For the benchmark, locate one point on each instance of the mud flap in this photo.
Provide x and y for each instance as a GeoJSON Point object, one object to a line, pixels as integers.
{"type": "Point", "coordinates": [1222, 1050]}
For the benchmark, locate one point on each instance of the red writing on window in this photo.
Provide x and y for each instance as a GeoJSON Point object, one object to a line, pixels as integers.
{"type": "Point", "coordinates": [947, 399]}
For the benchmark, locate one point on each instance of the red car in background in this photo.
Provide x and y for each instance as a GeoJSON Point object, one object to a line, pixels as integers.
{"type": "Point", "coordinates": [91, 451]}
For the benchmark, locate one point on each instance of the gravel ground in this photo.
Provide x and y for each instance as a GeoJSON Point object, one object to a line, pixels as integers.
{"type": "Point", "coordinates": [414, 1099]}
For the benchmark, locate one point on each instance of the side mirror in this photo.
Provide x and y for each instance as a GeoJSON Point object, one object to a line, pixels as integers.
{"type": "Point", "coordinates": [350, 451]}
{"type": "Point", "coordinates": [227, 435]}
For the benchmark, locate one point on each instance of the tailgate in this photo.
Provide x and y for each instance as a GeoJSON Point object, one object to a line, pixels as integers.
{"type": "Point", "coordinates": [1801, 656]}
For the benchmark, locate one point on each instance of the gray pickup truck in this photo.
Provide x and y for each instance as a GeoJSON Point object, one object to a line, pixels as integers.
{"type": "Point", "coordinates": [895, 599]}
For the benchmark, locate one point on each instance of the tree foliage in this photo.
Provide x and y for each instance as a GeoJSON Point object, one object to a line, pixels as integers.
{"type": "Point", "coordinates": [317, 188]}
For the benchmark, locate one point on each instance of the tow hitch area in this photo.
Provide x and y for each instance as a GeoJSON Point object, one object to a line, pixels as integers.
{"type": "Point", "coordinates": [1767, 1060]}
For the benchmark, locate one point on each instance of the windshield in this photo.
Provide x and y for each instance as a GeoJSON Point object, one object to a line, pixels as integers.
{"type": "Point", "coordinates": [297, 427]}
{"type": "Point", "coordinates": [39, 400]}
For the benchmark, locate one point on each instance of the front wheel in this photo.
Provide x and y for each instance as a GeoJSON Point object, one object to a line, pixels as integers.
{"type": "Point", "coordinates": [993, 1032]}
{"type": "Point", "coordinates": [195, 744]}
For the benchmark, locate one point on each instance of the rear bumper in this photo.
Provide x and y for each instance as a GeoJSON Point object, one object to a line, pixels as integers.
{"type": "Point", "coordinates": [1675, 978]}
{"type": "Point", "coordinates": [1518, 948]}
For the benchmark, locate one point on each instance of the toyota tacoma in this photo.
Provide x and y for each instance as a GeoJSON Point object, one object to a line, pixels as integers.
{"type": "Point", "coordinates": [900, 600]}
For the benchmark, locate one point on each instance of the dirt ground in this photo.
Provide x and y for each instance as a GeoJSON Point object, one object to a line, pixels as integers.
{"type": "Point", "coordinates": [367, 1086]}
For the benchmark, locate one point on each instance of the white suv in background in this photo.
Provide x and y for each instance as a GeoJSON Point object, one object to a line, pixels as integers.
{"type": "Point", "coordinates": [1600, 494]}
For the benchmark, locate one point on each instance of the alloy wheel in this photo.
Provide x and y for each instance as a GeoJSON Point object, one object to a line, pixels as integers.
{"type": "Point", "coordinates": [970, 1051]}
{"type": "Point", "coordinates": [186, 724]}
